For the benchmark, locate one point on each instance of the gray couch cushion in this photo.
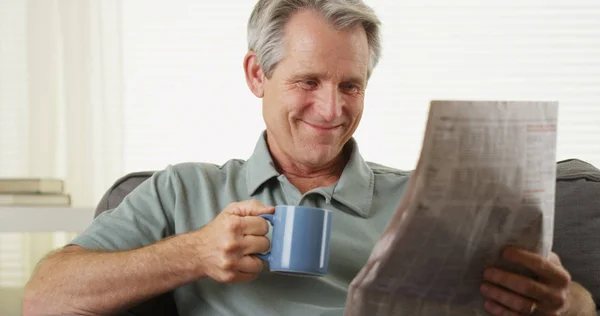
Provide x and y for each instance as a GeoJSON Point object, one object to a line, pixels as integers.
{"type": "Point", "coordinates": [577, 222]}
{"type": "Point", "coordinates": [117, 192]}
{"type": "Point", "coordinates": [576, 227]}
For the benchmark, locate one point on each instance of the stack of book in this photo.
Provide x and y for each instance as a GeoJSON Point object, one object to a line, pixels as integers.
{"type": "Point", "coordinates": [33, 192]}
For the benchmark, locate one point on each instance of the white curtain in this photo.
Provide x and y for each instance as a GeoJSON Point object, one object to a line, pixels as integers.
{"type": "Point", "coordinates": [60, 109]}
{"type": "Point", "coordinates": [60, 93]}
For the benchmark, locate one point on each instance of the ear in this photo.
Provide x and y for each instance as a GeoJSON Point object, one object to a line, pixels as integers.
{"type": "Point", "coordinates": [254, 75]}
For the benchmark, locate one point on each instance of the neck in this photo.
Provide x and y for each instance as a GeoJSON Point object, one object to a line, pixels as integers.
{"type": "Point", "coordinates": [306, 178]}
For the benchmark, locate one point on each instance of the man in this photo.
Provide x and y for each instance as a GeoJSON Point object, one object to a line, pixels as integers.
{"type": "Point", "coordinates": [193, 228]}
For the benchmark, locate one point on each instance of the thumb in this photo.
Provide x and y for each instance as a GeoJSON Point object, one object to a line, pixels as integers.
{"type": "Point", "coordinates": [251, 208]}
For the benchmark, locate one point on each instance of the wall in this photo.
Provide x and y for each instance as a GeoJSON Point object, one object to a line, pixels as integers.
{"type": "Point", "coordinates": [186, 98]}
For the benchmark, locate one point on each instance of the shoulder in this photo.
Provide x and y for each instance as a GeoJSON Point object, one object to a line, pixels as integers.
{"type": "Point", "coordinates": [382, 170]}
{"type": "Point", "coordinates": [389, 180]}
{"type": "Point", "coordinates": [186, 186]}
{"type": "Point", "coordinates": [192, 177]}
{"type": "Point", "coordinates": [212, 172]}
{"type": "Point", "coordinates": [207, 168]}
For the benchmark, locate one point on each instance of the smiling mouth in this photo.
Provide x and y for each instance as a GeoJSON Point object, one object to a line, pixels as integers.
{"type": "Point", "coordinates": [322, 127]}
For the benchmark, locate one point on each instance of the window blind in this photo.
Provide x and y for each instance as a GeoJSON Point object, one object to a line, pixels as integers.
{"type": "Point", "coordinates": [181, 77]}
{"type": "Point", "coordinates": [506, 50]}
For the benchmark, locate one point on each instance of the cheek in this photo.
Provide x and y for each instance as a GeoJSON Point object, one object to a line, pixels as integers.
{"type": "Point", "coordinates": [295, 102]}
{"type": "Point", "coordinates": [281, 107]}
{"type": "Point", "coordinates": [354, 106]}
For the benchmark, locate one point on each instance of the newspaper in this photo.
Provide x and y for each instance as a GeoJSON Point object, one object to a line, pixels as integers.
{"type": "Point", "coordinates": [485, 180]}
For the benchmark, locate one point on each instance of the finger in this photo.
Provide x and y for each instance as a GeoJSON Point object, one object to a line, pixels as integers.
{"type": "Point", "coordinates": [250, 208]}
{"type": "Point", "coordinates": [498, 310]}
{"type": "Point", "coordinates": [237, 277]}
{"type": "Point", "coordinates": [552, 272]}
{"type": "Point", "coordinates": [254, 225]}
{"type": "Point", "coordinates": [245, 277]}
{"type": "Point", "coordinates": [507, 300]}
{"type": "Point", "coordinates": [255, 244]}
{"type": "Point", "coordinates": [518, 284]}
{"type": "Point", "coordinates": [250, 264]}
{"type": "Point", "coordinates": [554, 258]}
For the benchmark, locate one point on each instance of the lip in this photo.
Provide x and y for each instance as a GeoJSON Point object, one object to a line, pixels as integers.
{"type": "Point", "coordinates": [321, 127]}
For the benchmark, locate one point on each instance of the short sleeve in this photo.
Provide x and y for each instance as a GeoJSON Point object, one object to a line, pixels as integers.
{"type": "Point", "coordinates": [144, 217]}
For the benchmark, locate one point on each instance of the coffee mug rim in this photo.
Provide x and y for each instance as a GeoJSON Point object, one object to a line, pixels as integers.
{"type": "Point", "coordinates": [302, 206]}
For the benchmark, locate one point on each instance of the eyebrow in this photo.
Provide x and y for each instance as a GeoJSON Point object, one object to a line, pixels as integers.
{"type": "Point", "coordinates": [312, 74]}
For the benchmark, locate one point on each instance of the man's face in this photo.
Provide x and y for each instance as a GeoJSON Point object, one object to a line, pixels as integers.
{"type": "Point", "coordinates": [313, 101]}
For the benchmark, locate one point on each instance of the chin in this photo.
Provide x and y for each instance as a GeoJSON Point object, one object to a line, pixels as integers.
{"type": "Point", "coordinates": [319, 154]}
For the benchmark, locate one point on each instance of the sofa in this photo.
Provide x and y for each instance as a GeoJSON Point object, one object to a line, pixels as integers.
{"type": "Point", "coordinates": [576, 227]}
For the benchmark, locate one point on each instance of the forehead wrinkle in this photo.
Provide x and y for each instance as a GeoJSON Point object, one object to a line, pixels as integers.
{"type": "Point", "coordinates": [320, 59]}
{"type": "Point", "coordinates": [325, 67]}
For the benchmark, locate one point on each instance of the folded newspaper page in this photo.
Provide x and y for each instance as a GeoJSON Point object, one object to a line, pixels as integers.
{"type": "Point", "coordinates": [485, 180]}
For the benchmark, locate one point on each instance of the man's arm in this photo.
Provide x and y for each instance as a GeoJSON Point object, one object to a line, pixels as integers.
{"type": "Point", "coordinates": [83, 282]}
{"type": "Point", "coordinates": [77, 281]}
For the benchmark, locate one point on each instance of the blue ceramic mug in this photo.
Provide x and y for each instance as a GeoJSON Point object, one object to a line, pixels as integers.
{"type": "Point", "coordinates": [299, 240]}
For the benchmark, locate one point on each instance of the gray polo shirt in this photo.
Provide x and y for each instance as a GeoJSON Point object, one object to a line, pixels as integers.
{"type": "Point", "coordinates": [185, 197]}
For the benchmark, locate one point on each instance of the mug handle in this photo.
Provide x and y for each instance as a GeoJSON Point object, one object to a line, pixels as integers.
{"type": "Point", "coordinates": [266, 257]}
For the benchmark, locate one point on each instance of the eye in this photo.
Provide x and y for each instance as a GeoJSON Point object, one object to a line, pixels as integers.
{"type": "Point", "coordinates": [309, 84]}
{"type": "Point", "coordinates": [349, 87]}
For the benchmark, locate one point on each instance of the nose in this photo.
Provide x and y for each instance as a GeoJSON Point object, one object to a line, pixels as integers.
{"type": "Point", "coordinates": [330, 103]}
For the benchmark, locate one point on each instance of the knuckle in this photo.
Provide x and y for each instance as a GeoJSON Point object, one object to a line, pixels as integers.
{"type": "Point", "coordinates": [540, 264]}
{"type": "Point", "coordinates": [501, 296]}
{"type": "Point", "coordinates": [529, 288]}
{"type": "Point", "coordinates": [562, 299]}
{"type": "Point", "coordinates": [228, 277]}
{"type": "Point", "coordinates": [255, 203]}
{"type": "Point", "coordinates": [568, 277]}
{"type": "Point", "coordinates": [232, 224]}
{"type": "Point", "coordinates": [230, 246]}
{"type": "Point", "coordinates": [558, 300]}
{"type": "Point", "coordinates": [226, 264]}
{"type": "Point", "coordinates": [230, 207]}
{"type": "Point", "coordinates": [565, 279]}
{"type": "Point", "coordinates": [522, 305]}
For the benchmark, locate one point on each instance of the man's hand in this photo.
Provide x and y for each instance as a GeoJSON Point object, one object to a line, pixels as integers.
{"type": "Point", "coordinates": [550, 293]}
{"type": "Point", "coordinates": [227, 243]}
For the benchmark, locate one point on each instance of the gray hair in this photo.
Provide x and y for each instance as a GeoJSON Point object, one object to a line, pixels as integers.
{"type": "Point", "coordinates": [269, 17]}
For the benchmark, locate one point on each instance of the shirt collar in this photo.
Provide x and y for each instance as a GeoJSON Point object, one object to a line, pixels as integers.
{"type": "Point", "coordinates": [260, 166]}
{"type": "Point", "coordinates": [354, 189]}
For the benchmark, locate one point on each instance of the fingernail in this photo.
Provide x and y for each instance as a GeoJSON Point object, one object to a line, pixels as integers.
{"type": "Point", "coordinates": [485, 289]}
